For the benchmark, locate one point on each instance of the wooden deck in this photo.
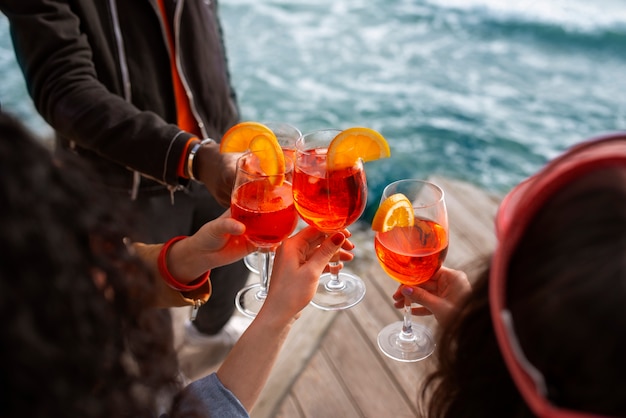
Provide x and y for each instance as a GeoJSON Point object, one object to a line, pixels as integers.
{"type": "Point", "coordinates": [331, 365]}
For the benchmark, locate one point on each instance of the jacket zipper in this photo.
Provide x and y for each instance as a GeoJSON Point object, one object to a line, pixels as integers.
{"type": "Point", "coordinates": [188, 93]}
{"type": "Point", "coordinates": [121, 51]}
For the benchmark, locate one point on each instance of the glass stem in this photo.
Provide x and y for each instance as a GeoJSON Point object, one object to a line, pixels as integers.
{"type": "Point", "coordinates": [335, 282]}
{"type": "Point", "coordinates": [266, 261]}
{"type": "Point", "coordinates": [407, 327]}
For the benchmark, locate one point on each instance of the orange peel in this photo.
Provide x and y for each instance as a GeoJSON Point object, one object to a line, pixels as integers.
{"type": "Point", "coordinates": [394, 211]}
{"type": "Point", "coordinates": [271, 158]}
{"type": "Point", "coordinates": [356, 143]}
{"type": "Point", "coordinates": [238, 137]}
{"type": "Point", "coordinates": [260, 140]}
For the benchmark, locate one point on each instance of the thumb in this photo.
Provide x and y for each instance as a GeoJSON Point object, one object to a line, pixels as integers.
{"type": "Point", "coordinates": [227, 226]}
{"type": "Point", "coordinates": [327, 249]}
{"type": "Point", "coordinates": [214, 234]}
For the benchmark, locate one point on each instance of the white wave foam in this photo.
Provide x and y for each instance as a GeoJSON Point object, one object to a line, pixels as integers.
{"type": "Point", "coordinates": [581, 14]}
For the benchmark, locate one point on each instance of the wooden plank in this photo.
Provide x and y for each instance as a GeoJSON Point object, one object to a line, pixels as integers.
{"type": "Point", "coordinates": [479, 205]}
{"type": "Point", "coordinates": [303, 340]}
{"type": "Point", "coordinates": [358, 366]}
{"type": "Point", "coordinates": [471, 213]}
{"type": "Point", "coordinates": [375, 312]}
{"type": "Point", "coordinates": [290, 409]}
{"type": "Point", "coordinates": [320, 394]}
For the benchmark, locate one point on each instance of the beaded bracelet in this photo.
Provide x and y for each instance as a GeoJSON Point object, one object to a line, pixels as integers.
{"type": "Point", "coordinates": [167, 276]}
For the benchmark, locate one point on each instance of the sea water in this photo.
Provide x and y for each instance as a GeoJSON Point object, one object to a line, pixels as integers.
{"type": "Point", "coordinates": [481, 90]}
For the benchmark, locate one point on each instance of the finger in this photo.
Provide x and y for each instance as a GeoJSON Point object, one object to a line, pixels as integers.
{"type": "Point", "coordinates": [430, 286]}
{"type": "Point", "coordinates": [422, 297]}
{"type": "Point", "coordinates": [346, 233]}
{"type": "Point", "coordinates": [228, 226]}
{"type": "Point", "coordinates": [307, 240]}
{"type": "Point", "coordinates": [309, 234]}
{"type": "Point", "coordinates": [345, 255]}
{"type": "Point", "coordinates": [303, 243]}
{"type": "Point", "coordinates": [348, 245]}
{"type": "Point", "coordinates": [420, 311]}
{"type": "Point", "coordinates": [327, 249]}
{"type": "Point", "coordinates": [398, 295]}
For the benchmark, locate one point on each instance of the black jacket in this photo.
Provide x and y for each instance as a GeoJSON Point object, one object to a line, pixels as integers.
{"type": "Point", "coordinates": [99, 73]}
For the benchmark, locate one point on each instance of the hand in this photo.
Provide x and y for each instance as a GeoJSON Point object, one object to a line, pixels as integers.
{"type": "Point", "coordinates": [344, 253]}
{"type": "Point", "coordinates": [217, 243]}
{"type": "Point", "coordinates": [439, 296]}
{"type": "Point", "coordinates": [298, 264]}
{"type": "Point", "coordinates": [217, 171]}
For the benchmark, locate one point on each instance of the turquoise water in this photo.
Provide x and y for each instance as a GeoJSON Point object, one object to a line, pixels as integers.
{"type": "Point", "coordinates": [480, 90]}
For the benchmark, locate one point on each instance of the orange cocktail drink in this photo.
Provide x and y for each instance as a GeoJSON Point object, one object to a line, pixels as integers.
{"type": "Point", "coordinates": [328, 200]}
{"type": "Point", "coordinates": [412, 254]}
{"type": "Point", "coordinates": [267, 211]}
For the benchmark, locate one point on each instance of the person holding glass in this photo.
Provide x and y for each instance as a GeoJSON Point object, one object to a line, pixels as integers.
{"type": "Point", "coordinates": [141, 90]}
{"type": "Point", "coordinates": [541, 334]}
{"type": "Point", "coordinates": [80, 300]}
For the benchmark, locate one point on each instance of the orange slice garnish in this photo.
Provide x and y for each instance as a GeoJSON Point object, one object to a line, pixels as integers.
{"type": "Point", "coordinates": [271, 157]}
{"type": "Point", "coordinates": [238, 137]}
{"type": "Point", "coordinates": [356, 143]}
{"type": "Point", "coordinates": [395, 211]}
{"type": "Point", "coordinates": [260, 140]}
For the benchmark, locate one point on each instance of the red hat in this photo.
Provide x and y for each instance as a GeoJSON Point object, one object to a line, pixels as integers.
{"type": "Point", "coordinates": [515, 213]}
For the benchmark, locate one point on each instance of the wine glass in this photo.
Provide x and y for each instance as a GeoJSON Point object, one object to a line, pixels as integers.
{"type": "Point", "coordinates": [330, 201]}
{"type": "Point", "coordinates": [265, 205]}
{"type": "Point", "coordinates": [412, 255]}
{"type": "Point", "coordinates": [287, 136]}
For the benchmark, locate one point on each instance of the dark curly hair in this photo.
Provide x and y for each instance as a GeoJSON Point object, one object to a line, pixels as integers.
{"type": "Point", "coordinates": [566, 289]}
{"type": "Point", "coordinates": [77, 339]}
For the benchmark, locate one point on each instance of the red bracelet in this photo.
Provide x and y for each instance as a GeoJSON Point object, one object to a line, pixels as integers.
{"type": "Point", "coordinates": [167, 276]}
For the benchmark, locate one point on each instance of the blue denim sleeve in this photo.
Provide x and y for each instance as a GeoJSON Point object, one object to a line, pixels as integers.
{"type": "Point", "coordinates": [210, 396]}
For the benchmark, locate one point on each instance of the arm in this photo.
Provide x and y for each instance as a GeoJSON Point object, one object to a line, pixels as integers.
{"type": "Point", "coordinates": [298, 264]}
{"type": "Point", "coordinates": [439, 296]}
{"type": "Point", "coordinates": [83, 101]}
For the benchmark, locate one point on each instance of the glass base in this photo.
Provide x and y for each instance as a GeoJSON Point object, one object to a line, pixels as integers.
{"type": "Point", "coordinates": [252, 262]}
{"type": "Point", "coordinates": [345, 297]}
{"type": "Point", "coordinates": [413, 349]}
{"type": "Point", "coordinates": [249, 300]}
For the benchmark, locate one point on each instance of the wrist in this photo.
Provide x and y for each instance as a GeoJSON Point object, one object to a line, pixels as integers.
{"type": "Point", "coordinates": [276, 320]}
{"type": "Point", "coordinates": [186, 262]}
{"type": "Point", "coordinates": [192, 169]}
{"type": "Point", "coordinates": [180, 283]}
